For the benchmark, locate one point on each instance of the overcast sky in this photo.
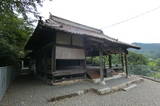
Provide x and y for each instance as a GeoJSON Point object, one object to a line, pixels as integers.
{"type": "Point", "coordinates": [104, 14]}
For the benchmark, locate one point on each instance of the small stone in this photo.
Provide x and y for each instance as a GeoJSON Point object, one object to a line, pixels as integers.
{"type": "Point", "coordinates": [104, 90]}
{"type": "Point", "coordinates": [102, 82]}
{"type": "Point", "coordinates": [22, 102]}
{"type": "Point", "coordinates": [80, 92]}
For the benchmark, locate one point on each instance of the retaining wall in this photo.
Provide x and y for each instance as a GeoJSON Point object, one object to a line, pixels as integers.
{"type": "Point", "coordinates": [7, 74]}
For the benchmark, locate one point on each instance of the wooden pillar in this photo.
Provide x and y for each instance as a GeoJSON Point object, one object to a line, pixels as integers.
{"type": "Point", "coordinates": [92, 60]}
{"type": "Point", "coordinates": [53, 51]}
{"type": "Point", "coordinates": [122, 61]}
{"type": "Point", "coordinates": [53, 60]}
{"type": "Point", "coordinates": [44, 62]}
{"type": "Point", "coordinates": [85, 64]}
{"type": "Point", "coordinates": [101, 64]}
{"type": "Point", "coordinates": [105, 70]}
{"type": "Point", "coordinates": [126, 65]}
{"type": "Point", "coordinates": [104, 65]}
{"type": "Point", "coordinates": [85, 68]}
{"type": "Point", "coordinates": [110, 61]}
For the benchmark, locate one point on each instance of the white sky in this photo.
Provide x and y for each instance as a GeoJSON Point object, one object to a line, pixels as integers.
{"type": "Point", "coordinates": [103, 13]}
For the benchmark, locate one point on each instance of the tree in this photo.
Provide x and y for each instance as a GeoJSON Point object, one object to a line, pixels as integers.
{"type": "Point", "coordinates": [14, 32]}
{"type": "Point", "coordinates": [138, 64]}
{"type": "Point", "coordinates": [137, 59]}
{"type": "Point", "coordinates": [20, 7]}
{"type": "Point", "coordinates": [158, 62]}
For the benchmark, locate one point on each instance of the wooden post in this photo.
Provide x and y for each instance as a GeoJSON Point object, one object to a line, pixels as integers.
{"type": "Point", "coordinates": [104, 65]}
{"type": "Point", "coordinates": [110, 61]}
{"type": "Point", "coordinates": [92, 60]}
{"type": "Point", "coordinates": [126, 67]}
{"type": "Point", "coordinates": [85, 68]}
{"type": "Point", "coordinates": [105, 70]}
{"type": "Point", "coordinates": [101, 64]}
{"type": "Point", "coordinates": [122, 61]}
{"type": "Point", "coordinates": [53, 51]}
{"type": "Point", "coordinates": [85, 64]}
{"type": "Point", "coordinates": [53, 61]}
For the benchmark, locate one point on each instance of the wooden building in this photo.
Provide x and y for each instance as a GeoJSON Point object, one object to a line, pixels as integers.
{"type": "Point", "coordinates": [59, 48]}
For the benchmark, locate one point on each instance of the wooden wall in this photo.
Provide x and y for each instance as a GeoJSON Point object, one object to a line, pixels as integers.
{"type": "Point", "coordinates": [64, 46]}
{"type": "Point", "coordinates": [69, 39]}
{"type": "Point", "coordinates": [69, 53]}
{"type": "Point", "coordinates": [71, 46]}
{"type": "Point", "coordinates": [43, 61]}
{"type": "Point", "coordinates": [63, 38]}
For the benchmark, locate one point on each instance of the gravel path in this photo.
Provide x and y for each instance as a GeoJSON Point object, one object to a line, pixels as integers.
{"type": "Point", "coordinates": [30, 92]}
{"type": "Point", "coordinates": [145, 94]}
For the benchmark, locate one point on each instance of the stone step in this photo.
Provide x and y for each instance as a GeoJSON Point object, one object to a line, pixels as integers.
{"type": "Point", "coordinates": [129, 87]}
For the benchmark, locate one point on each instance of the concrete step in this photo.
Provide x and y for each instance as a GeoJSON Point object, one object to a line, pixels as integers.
{"type": "Point", "coordinates": [129, 87]}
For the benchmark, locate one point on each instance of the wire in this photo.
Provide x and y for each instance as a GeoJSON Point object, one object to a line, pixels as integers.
{"type": "Point", "coordinates": [131, 18]}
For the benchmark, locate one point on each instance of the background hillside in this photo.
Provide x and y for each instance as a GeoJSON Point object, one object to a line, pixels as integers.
{"type": "Point", "coordinates": [151, 50]}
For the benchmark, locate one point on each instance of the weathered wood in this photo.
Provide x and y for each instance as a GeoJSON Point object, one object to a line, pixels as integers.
{"type": "Point", "coordinates": [63, 38]}
{"type": "Point", "coordinates": [92, 62]}
{"type": "Point", "coordinates": [69, 46]}
{"type": "Point", "coordinates": [101, 64]}
{"type": "Point", "coordinates": [52, 59]}
{"type": "Point", "coordinates": [122, 61]}
{"type": "Point", "coordinates": [53, 54]}
{"type": "Point", "coordinates": [110, 61]}
{"type": "Point", "coordinates": [77, 41]}
{"type": "Point", "coordinates": [69, 53]}
{"type": "Point", "coordinates": [68, 72]}
{"type": "Point", "coordinates": [95, 40]}
{"type": "Point", "coordinates": [126, 65]}
{"type": "Point", "coordinates": [105, 70]}
{"type": "Point", "coordinates": [44, 62]}
{"type": "Point", "coordinates": [49, 45]}
{"type": "Point", "coordinates": [69, 39]}
{"type": "Point", "coordinates": [84, 64]}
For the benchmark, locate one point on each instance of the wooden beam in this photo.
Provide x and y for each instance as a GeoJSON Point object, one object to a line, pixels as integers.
{"type": "Point", "coordinates": [101, 64]}
{"type": "Point", "coordinates": [110, 61]}
{"type": "Point", "coordinates": [95, 40]}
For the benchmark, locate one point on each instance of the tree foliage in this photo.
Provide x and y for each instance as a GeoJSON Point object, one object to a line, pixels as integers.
{"type": "Point", "coordinates": [136, 59]}
{"type": "Point", "coordinates": [154, 64]}
{"type": "Point", "coordinates": [15, 27]}
{"type": "Point", "coordinates": [14, 32]}
{"type": "Point", "coordinates": [139, 69]}
{"type": "Point", "coordinates": [133, 58]}
{"type": "Point", "coordinates": [20, 7]}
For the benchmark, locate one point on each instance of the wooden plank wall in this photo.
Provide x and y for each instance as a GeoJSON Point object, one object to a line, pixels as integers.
{"type": "Point", "coordinates": [69, 53]}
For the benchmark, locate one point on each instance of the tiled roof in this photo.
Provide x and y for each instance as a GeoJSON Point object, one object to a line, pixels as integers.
{"type": "Point", "coordinates": [61, 24]}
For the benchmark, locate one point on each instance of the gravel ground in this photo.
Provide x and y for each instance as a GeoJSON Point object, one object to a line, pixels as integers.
{"type": "Point", "coordinates": [30, 92]}
{"type": "Point", "coordinates": [145, 94]}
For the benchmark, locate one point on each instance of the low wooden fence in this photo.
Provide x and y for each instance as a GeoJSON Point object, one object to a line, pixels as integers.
{"type": "Point", "coordinates": [7, 74]}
